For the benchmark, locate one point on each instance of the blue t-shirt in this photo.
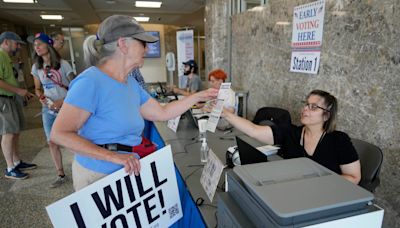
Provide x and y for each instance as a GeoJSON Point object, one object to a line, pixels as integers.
{"type": "Point", "coordinates": [115, 113]}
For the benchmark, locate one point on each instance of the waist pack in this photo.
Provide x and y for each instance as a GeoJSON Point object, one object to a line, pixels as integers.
{"type": "Point", "coordinates": [145, 148]}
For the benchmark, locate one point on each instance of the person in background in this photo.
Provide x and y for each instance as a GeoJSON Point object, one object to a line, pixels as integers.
{"type": "Point", "coordinates": [105, 106]}
{"type": "Point", "coordinates": [315, 139]}
{"type": "Point", "coordinates": [51, 76]}
{"type": "Point", "coordinates": [215, 79]}
{"type": "Point", "coordinates": [58, 39]}
{"type": "Point", "coordinates": [193, 84]}
{"type": "Point", "coordinates": [137, 75]}
{"type": "Point", "coordinates": [11, 115]}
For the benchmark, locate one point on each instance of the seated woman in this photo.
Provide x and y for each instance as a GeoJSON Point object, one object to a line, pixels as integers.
{"type": "Point", "coordinates": [316, 139]}
{"type": "Point", "coordinates": [215, 79]}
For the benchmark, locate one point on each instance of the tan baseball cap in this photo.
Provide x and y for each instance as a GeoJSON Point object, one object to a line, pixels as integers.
{"type": "Point", "coordinates": [117, 26]}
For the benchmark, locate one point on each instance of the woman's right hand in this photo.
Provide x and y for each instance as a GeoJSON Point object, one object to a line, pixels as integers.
{"type": "Point", "coordinates": [129, 161]}
{"type": "Point", "coordinates": [42, 100]}
{"type": "Point", "coordinates": [206, 95]}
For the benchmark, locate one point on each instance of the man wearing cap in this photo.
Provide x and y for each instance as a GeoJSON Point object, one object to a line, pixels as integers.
{"type": "Point", "coordinates": [193, 81]}
{"type": "Point", "coordinates": [11, 116]}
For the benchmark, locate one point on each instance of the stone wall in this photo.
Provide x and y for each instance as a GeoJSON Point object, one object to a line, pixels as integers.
{"type": "Point", "coordinates": [216, 31]}
{"type": "Point", "coordinates": [360, 65]}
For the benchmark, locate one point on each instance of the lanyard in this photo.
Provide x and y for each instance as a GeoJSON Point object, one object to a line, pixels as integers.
{"type": "Point", "coordinates": [49, 75]}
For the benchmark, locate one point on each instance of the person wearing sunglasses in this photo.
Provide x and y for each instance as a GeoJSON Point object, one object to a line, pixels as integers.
{"type": "Point", "coordinates": [106, 106]}
{"type": "Point", "coordinates": [51, 76]}
{"type": "Point", "coordinates": [316, 138]}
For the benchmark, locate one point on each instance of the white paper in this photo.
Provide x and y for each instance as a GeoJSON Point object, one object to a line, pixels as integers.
{"type": "Point", "coordinates": [218, 107]}
{"type": "Point", "coordinates": [197, 111]}
{"type": "Point", "coordinates": [153, 197]}
{"type": "Point", "coordinates": [211, 174]}
{"type": "Point", "coordinates": [224, 90]}
{"type": "Point", "coordinates": [215, 115]}
{"type": "Point", "coordinates": [268, 149]}
{"type": "Point", "coordinates": [305, 61]}
{"type": "Point", "coordinates": [308, 25]}
{"type": "Point", "coordinates": [173, 123]}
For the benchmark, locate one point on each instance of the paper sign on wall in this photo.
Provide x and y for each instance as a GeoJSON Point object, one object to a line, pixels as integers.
{"type": "Point", "coordinates": [305, 61]}
{"type": "Point", "coordinates": [308, 25]}
{"type": "Point", "coordinates": [120, 200]}
{"type": "Point", "coordinates": [308, 28]}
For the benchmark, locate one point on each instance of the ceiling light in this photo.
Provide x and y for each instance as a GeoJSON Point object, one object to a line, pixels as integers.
{"type": "Point", "coordinates": [282, 23]}
{"type": "Point", "coordinates": [19, 1]}
{"type": "Point", "coordinates": [142, 19]}
{"type": "Point", "coordinates": [51, 17]}
{"type": "Point", "coordinates": [72, 29]}
{"type": "Point", "coordinates": [148, 4]}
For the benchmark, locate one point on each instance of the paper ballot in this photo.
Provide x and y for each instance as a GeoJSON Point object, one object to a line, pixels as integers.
{"type": "Point", "coordinates": [217, 109]}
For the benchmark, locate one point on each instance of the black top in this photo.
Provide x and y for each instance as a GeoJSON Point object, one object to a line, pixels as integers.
{"type": "Point", "coordinates": [333, 150]}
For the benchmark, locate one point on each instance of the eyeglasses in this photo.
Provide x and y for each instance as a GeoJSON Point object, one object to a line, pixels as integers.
{"type": "Point", "coordinates": [314, 107]}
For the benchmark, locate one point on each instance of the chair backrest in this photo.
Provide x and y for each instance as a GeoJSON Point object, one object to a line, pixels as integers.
{"type": "Point", "coordinates": [272, 115]}
{"type": "Point", "coordinates": [371, 158]}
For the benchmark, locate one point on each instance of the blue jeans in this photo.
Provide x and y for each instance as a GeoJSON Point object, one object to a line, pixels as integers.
{"type": "Point", "coordinates": [48, 118]}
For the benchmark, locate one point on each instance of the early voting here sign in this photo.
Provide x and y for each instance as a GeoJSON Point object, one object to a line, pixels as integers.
{"type": "Point", "coordinates": [120, 200]}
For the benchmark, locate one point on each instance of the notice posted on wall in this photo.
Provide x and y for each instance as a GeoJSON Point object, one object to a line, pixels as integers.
{"type": "Point", "coordinates": [305, 61]}
{"type": "Point", "coordinates": [122, 200]}
{"type": "Point", "coordinates": [308, 24]}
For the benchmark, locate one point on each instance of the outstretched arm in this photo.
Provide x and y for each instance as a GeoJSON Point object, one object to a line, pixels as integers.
{"type": "Point", "coordinates": [152, 110]}
{"type": "Point", "coordinates": [261, 133]}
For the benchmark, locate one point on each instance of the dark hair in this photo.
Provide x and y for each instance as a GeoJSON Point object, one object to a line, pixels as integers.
{"type": "Point", "coordinates": [331, 106]}
{"type": "Point", "coordinates": [55, 58]}
{"type": "Point", "coordinates": [193, 69]}
{"type": "Point", "coordinates": [53, 35]}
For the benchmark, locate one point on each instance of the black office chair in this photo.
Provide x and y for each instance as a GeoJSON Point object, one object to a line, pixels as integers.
{"type": "Point", "coordinates": [271, 115]}
{"type": "Point", "coordinates": [371, 158]}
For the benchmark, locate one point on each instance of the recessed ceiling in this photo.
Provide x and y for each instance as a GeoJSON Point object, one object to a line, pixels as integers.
{"type": "Point", "coordinates": [83, 12]}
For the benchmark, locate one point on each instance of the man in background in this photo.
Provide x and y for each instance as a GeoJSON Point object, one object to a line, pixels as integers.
{"type": "Point", "coordinates": [11, 115]}
{"type": "Point", "coordinates": [193, 81]}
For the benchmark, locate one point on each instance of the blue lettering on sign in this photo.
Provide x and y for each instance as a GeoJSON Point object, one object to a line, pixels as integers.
{"type": "Point", "coordinates": [304, 64]}
{"type": "Point", "coordinates": [304, 36]}
{"type": "Point", "coordinates": [308, 13]}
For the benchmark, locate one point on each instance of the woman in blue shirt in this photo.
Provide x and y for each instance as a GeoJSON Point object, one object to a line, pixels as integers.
{"type": "Point", "coordinates": [104, 105]}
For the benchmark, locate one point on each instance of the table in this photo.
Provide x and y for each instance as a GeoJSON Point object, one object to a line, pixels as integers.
{"type": "Point", "coordinates": [186, 152]}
